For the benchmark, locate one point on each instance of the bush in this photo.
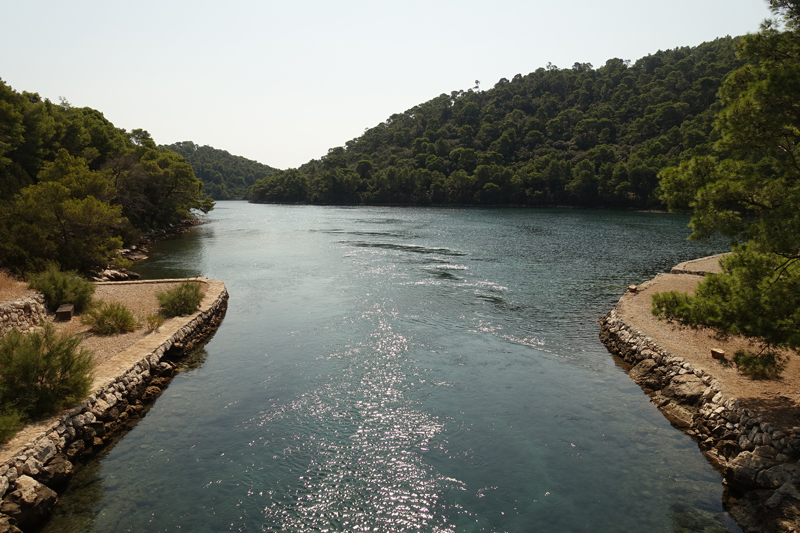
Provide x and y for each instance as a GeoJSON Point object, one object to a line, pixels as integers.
{"type": "Point", "coordinates": [109, 319]}
{"type": "Point", "coordinates": [154, 322]}
{"type": "Point", "coordinates": [10, 422]}
{"type": "Point", "coordinates": [757, 296]}
{"type": "Point", "coordinates": [63, 288]}
{"type": "Point", "coordinates": [42, 372]}
{"type": "Point", "coordinates": [181, 300]}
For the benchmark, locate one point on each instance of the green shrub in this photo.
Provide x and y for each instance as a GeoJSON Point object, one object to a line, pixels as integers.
{"type": "Point", "coordinates": [42, 371]}
{"type": "Point", "coordinates": [181, 300]}
{"type": "Point", "coordinates": [10, 422]}
{"type": "Point", "coordinates": [109, 319]}
{"type": "Point", "coordinates": [154, 322]}
{"type": "Point", "coordinates": [63, 288]}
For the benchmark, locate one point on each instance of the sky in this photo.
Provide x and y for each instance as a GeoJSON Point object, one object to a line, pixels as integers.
{"type": "Point", "coordinates": [283, 82]}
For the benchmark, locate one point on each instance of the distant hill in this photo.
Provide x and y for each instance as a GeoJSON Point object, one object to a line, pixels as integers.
{"type": "Point", "coordinates": [579, 136]}
{"type": "Point", "coordinates": [224, 176]}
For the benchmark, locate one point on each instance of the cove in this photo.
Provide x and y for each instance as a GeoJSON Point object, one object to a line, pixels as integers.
{"type": "Point", "coordinates": [407, 369]}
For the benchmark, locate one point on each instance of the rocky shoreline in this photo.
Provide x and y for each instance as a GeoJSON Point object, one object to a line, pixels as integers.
{"type": "Point", "coordinates": [39, 460]}
{"type": "Point", "coordinates": [758, 459]}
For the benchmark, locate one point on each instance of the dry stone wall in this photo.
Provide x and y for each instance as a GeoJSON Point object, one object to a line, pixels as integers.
{"type": "Point", "coordinates": [30, 478]}
{"type": "Point", "coordinates": [760, 462]}
{"type": "Point", "coordinates": [22, 314]}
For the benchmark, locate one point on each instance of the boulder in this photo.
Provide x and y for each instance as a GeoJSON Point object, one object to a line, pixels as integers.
{"type": "Point", "coordinates": [776, 476]}
{"type": "Point", "coordinates": [151, 393]}
{"type": "Point", "coordinates": [686, 387]}
{"type": "Point", "coordinates": [44, 450]}
{"type": "Point", "coordinates": [75, 449]}
{"type": "Point", "coordinates": [641, 370]}
{"type": "Point", "coordinates": [744, 469]}
{"type": "Point", "coordinates": [29, 504]}
{"type": "Point", "coordinates": [56, 472]}
{"type": "Point", "coordinates": [8, 525]}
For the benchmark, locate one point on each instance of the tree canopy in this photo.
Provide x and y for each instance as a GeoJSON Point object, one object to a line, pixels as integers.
{"type": "Point", "coordinates": [224, 176]}
{"type": "Point", "coordinates": [748, 189]}
{"type": "Point", "coordinates": [580, 136]}
{"type": "Point", "coordinates": [74, 188]}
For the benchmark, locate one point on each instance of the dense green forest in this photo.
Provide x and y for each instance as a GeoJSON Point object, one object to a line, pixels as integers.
{"type": "Point", "coordinates": [224, 176]}
{"type": "Point", "coordinates": [579, 136]}
{"type": "Point", "coordinates": [748, 189]}
{"type": "Point", "coordinates": [74, 188]}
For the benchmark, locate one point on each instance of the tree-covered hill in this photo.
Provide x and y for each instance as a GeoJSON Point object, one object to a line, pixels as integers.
{"type": "Point", "coordinates": [74, 188]}
{"type": "Point", "coordinates": [224, 176]}
{"type": "Point", "coordinates": [578, 136]}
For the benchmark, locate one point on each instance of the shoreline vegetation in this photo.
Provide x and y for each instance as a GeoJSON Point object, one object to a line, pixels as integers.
{"type": "Point", "coordinates": [748, 429]}
{"type": "Point", "coordinates": [684, 129]}
{"type": "Point", "coordinates": [131, 371]}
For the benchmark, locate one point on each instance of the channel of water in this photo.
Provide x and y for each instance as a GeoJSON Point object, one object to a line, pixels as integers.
{"type": "Point", "coordinates": [407, 369]}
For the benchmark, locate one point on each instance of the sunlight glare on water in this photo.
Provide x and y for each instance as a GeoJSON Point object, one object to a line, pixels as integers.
{"type": "Point", "coordinates": [386, 369]}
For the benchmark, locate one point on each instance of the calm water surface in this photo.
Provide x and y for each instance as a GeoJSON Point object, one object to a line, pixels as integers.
{"type": "Point", "coordinates": [387, 369]}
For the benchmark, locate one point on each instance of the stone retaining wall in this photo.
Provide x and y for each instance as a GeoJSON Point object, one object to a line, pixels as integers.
{"type": "Point", "coordinates": [760, 463]}
{"type": "Point", "coordinates": [22, 314]}
{"type": "Point", "coordinates": [31, 473]}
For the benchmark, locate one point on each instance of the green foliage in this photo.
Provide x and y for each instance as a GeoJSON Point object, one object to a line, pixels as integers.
{"type": "Point", "coordinates": [73, 187]}
{"type": "Point", "coordinates": [60, 287]}
{"type": "Point", "coordinates": [181, 300]}
{"type": "Point", "coordinates": [224, 176]}
{"type": "Point", "coordinates": [154, 322]}
{"type": "Point", "coordinates": [11, 421]}
{"type": "Point", "coordinates": [757, 295]}
{"type": "Point", "coordinates": [768, 365]}
{"type": "Point", "coordinates": [284, 186]}
{"type": "Point", "coordinates": [749, 191]}
{"type": "Point", "coordinates": [581, 136]}
{"type": "Point", "coordinates": [66, 215]}
{"type": "Point", "coordinates": [42, 372]}
{"type": "Point", "coordinates": [110, 319]}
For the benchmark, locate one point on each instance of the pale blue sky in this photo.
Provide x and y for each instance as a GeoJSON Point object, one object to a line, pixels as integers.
{"type": "Point", "coordinates": [282, 83]}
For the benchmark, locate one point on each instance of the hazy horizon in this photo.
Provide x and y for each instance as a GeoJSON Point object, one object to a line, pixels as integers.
{"type": "Point", "coordinates": [283, 83]}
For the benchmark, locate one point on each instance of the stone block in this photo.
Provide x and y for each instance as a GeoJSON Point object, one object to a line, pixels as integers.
{"type": "Point", "coordinates": [717, 353]}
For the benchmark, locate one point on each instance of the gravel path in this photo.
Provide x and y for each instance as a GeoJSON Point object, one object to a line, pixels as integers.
{"type": "Point", "coordinates": [138, 297]}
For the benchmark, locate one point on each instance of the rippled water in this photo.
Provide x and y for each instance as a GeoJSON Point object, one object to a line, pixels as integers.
{"type": "Point", "coordinates": [387, 369]}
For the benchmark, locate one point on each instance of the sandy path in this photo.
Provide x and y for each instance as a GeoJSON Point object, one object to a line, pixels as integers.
{"type": "Point", "coordinates": [778, 399]}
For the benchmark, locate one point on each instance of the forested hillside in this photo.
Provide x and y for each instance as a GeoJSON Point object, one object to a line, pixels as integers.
{"type": "Point", "coordinates": [224, 176]}
{"type": "Point", "coordinates": [580, 136]}
{"type": "Point", "coordinates": [74, 188]}
{"type": "Point", "coordinates": [748, 190]}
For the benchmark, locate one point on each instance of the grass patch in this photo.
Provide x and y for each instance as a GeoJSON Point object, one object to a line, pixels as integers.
{"type": "Point", "coordinates": [181, 300]}
{"type": "Point", "coordinates": [63, 288]}
{"type": "Point", "coordinates": [42, 372]}
{"type": "Point", "coordinates": [110, 319]}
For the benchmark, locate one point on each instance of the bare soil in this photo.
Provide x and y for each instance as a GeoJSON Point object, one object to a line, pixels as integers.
{"type": "Point", "coordinates": [12, 288]}
{"type": "Point", "coordinates": [138, 297]}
